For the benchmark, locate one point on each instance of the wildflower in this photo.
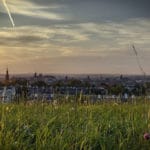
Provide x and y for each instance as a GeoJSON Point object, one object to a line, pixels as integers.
{"type": "Point", "coordinates": [55, 102]}
{"type": "Point", "coordinates": [85, 102]}
{"type": "Point", "coordinates": [7, 108]}
{"type": "Point", "coordinates": [115, 104]}
{"type": "Point", "coordinates": [146, 136]}
{"type": "Point", "coordinates": [15, 142]}
{"type": "Point", "coordinates": [72, 108]}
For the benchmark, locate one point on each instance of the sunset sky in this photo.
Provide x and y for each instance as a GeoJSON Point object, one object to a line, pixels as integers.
{"type": "Point", "coordinates": [75, 36]}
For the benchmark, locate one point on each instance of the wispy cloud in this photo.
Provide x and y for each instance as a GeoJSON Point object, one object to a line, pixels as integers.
{"type": "Point", "coordinates": [32, 35]}
{"type": "Point", "coordinates": [100, 45]}
{"type": "Point", "coordinates": [79, 35]}
{"type": "Point", "coordinates": [119, 34]}
{"type": "Point", "coordinates": [30, 9]}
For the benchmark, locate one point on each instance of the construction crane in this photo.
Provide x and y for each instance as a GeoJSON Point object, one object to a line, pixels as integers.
{"type": "Point", "coordinates": [140, 66]}
{"type": "Point", "coordinates": [138, 61]}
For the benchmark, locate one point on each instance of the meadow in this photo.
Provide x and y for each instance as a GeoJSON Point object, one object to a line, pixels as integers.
{"type": "Point", "coordinates": [71, 126]}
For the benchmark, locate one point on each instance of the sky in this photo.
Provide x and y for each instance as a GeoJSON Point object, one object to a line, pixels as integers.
{"type": "Point", "coordinates": [75, 36]}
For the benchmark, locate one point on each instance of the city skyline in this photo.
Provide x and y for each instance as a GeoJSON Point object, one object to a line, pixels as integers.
{"type": "Point", "coordinates": [75, 37]}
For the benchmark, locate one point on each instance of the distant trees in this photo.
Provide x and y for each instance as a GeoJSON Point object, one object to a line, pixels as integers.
{"type": "Point", "coordinates": [69, 82]}
{"type": "Point", "coordinates": [116, 89]}
{"type": "Point", "coordinates": [75, 82]}
{"type": "Point", "coordinates": [39, 83]}
{"type": "Point", "coordinates": [22, 82]}
{"type": "Point", "coordinates": [139, 90]}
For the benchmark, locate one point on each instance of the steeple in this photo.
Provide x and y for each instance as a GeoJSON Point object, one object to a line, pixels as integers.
{"type": "Point", "coordinates": [7, 77]}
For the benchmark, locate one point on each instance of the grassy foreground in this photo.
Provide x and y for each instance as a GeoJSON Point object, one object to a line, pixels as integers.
{"type": "Point", "coordinates": [106, 126]}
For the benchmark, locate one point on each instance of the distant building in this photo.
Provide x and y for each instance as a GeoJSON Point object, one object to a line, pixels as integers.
{"type": "Point", "coordinates": [7, 80]}
{"type": "Point", "coordinates": [8, 94]}
{"type": "Point", "coordinates": [35, 75]}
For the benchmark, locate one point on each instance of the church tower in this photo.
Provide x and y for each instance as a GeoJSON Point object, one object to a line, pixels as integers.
{"type": "Point", "coordinates": [7, 77]}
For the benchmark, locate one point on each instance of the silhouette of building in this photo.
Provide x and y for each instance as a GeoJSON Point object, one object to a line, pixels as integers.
{"type": "Point", "coordinates": [7, 80]}
{"type": "Point", "coordinates": [35, 75]}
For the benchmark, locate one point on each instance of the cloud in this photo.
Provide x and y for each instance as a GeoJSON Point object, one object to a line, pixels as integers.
{"type": "Point", "coordinates": [30, 9]}
{"type": "Point", "coordinates": [133, 30]}
{"type": "Point", "coordinates": [60, 47]}
{"type": "Point", "coordinates": [41, 36]}
{"type": "Point", "coordinates": [96, 35]}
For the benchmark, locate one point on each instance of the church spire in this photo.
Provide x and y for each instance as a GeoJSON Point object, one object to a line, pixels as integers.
{"type": "Point", "coordinates": [7, 77]}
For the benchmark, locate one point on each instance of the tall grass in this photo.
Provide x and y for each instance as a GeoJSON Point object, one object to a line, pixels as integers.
{"type": "Point", "coordinates": [105, 126]}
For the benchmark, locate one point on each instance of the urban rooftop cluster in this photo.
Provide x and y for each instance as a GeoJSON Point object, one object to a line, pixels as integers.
{"type": "Point", "coordinates": [90, 87]}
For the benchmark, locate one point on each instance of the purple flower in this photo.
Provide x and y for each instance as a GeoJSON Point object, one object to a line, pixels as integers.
{"type": "Point", "coordinates": [146, 136]}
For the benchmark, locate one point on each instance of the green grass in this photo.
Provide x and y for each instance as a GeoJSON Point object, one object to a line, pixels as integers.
{"type": "Point", "coordinates": [106, 126]}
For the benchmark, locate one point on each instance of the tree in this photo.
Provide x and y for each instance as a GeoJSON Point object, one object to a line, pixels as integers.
{"type": "Point", "coordinates": [116, 89]}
